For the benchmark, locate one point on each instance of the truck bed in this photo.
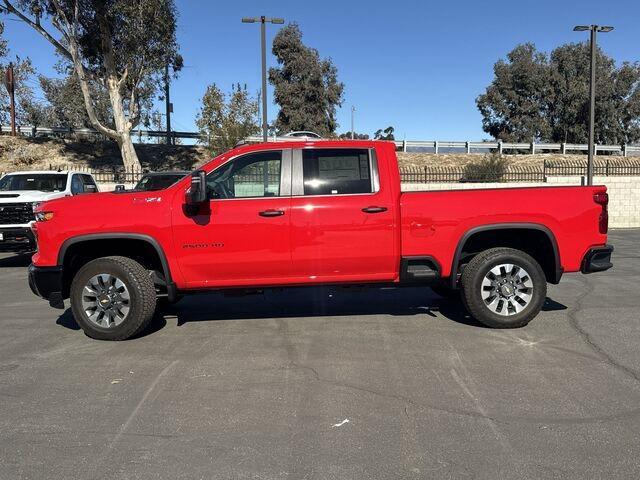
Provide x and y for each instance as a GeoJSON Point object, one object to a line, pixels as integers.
{"type": "Point", "coordinates": [434, 222]}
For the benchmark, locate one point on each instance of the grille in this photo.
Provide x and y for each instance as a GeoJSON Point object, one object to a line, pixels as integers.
{"type": "Point", "coordinates": [15, 213]}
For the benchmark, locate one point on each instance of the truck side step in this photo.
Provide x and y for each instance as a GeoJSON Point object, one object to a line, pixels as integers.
{"type": "Point", "coordinates": [419, 270]}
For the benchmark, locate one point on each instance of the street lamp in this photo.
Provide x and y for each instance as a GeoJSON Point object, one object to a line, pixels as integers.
{"type": "Point", "coordinates": [592, 91]}
{"type": "Point", "coordinates": [353, 113]}
{"type": "Point", "coordinates": [263, 20]}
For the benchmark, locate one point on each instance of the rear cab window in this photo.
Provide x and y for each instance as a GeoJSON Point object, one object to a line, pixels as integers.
{"type": "Point", "coordinates": [82, 183]}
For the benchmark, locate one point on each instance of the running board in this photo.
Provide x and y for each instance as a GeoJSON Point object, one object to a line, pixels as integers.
{"type": "Point", "coordinates": [419, 270]}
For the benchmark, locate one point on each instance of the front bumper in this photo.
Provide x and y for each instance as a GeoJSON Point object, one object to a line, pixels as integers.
{"type": "Point", "coordinates": [46, 282]}
{"type": "Point", "coordinates": [597, 259]}
{"type": "Point", "coordinates": [17, 239]}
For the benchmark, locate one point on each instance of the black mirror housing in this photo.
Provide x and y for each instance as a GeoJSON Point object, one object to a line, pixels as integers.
{"type": "Point", "coordinates": [197, 192]}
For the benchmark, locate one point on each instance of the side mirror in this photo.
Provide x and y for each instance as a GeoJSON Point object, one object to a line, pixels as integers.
{"type": "Point", "coordinates": [119, 188]}
{"type": "Point", "coordinates": [197, 192]}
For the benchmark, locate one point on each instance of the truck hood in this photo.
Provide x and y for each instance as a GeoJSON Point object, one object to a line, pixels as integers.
{"type": "Point", "coordinates": [24, 196]}
{"type": "Point", "coordinates": [112, 199]}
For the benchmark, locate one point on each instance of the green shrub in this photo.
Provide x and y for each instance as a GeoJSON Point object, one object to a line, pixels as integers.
{"type": "Point", "coordinates": [491, 168]}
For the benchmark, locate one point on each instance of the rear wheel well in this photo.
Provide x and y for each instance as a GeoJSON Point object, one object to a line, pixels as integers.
{"type": "Point", "coordinates": [82, 252]}
{"type": "Point", "coordinates": [538, 243]}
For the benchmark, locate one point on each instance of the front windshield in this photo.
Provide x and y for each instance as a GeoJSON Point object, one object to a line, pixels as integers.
{"type": "Point", "coordinates": [150, 183]}
{"type": "Point", "coordinates": [42, 182]}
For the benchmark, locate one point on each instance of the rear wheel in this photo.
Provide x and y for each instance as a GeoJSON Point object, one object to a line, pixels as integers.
{"type": "Point", "coordinates": [503, 287]}
{"type": "Point", "coordinates": [112, 298]}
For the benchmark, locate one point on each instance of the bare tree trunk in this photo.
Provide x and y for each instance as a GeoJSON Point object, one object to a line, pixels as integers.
{"type": "Point", "coordinates": [128, 152]}
{"type": "Point", "coordinates": [123, 127]}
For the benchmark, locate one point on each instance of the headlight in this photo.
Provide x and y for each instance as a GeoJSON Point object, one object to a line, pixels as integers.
{"type": "Point", "coordinates": [44, 216]}
{"type": "Point", "coordinates": [35, 205]}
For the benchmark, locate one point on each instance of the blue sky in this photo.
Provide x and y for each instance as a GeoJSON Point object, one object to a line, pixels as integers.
{"type": "Point", "coordinates": [415, 65]}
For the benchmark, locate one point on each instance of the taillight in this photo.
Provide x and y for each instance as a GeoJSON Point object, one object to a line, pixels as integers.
{"type": "Point", "coordinates": [602, 199]}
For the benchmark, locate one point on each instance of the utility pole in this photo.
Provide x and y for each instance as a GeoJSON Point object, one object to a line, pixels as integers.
{"type": "Point", "coordinates": [592, 92]}
{"type": "Point", "coordinates": [263, 21]}
{"type": "Point", "coordinates": [10, 84]}
{"type": "Point", "coordinates": [353, 113]}
{"type": "Point", "coordinates": [168, 104]}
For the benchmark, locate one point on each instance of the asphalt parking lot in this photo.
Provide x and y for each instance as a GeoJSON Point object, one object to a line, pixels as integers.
{"type": "Point", "coordinates": [262, 386]}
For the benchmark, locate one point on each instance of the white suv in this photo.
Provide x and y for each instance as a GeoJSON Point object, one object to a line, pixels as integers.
{"type": "Point", "coordinates": [21, 192]}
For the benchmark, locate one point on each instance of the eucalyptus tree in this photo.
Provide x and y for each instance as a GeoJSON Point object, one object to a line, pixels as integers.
{"type": "Point", "coordinates": [121, 45]}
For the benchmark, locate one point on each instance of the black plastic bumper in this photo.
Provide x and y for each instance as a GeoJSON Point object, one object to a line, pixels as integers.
{"type": "Point", "coordinates": [597, 259]}
{"type": "Point", "coordinates": [17, 240]}
{"type": "Point", "coordinates": [46, 282]}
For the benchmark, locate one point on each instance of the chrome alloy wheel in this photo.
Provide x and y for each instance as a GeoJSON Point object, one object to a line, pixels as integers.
{"type": "Point", "coordinates": [105, 300]}
{"type": "Point", "coordinates": [507, 289]}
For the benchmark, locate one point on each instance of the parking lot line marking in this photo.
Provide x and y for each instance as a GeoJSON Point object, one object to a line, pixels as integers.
{"type": "Point", "coordinates": [135, 411]}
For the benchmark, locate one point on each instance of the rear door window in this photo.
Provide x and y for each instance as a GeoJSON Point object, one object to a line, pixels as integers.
{"type": "Point", "coordinates": [336, 171]}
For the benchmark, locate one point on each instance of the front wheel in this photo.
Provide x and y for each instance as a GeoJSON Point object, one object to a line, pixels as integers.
{"type": "Point", "coordinates": [112, 298]}
{"type": "Point", "coordinates": [503, 288]}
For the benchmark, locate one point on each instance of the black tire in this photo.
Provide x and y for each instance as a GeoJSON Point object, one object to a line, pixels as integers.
{"type": "Point", "coordinates": [472, 289]}
{"type": "Point", "coordinates": [445, 291]}
{"type": "Point", "coordinates": [142, 293]}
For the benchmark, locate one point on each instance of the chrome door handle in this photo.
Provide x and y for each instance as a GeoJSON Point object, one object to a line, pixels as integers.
{"type": "Point", "coordinates": [374, 209]}
{"type": "Point", "coordinates": [271, 213]}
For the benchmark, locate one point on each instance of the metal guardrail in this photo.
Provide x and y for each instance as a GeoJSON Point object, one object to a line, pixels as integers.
{"type": "Point", "coordinates": [501, 147]}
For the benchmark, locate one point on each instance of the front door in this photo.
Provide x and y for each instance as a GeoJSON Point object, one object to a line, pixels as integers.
{"type": "Point", "coordinates": [242, 236]}
{"type": "Point", "coordinates": [342, 219]}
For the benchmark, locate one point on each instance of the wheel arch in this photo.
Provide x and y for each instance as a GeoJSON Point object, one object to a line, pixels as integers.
{"type": "Point", "coordinates": [74, 244]}
{"type": "Point", "coordinates": [553, 271]}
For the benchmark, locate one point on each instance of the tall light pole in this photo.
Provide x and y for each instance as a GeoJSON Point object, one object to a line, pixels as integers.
{"type": "Point", "coordinates": [168, 104]}
{"type": "Point", "coordinates": [263, 20]}
{"type": "Point", "coordinates": [353, 113]}
{"type": "Point", "coordinates": [592, 92]}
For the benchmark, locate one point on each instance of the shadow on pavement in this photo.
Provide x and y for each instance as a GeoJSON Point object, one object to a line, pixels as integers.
{"type": "Point", "coordinates": [310, 302]}
{"type": "Point", "coordinates": [21, 260]}
{"type": "Point", "coordinates": [66, 320]}
{"type": "Point", "coordinates": [324, 301]}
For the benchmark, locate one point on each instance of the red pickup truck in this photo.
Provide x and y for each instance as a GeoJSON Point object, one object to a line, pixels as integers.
{"type": "Point", "coordinates": [312, 212]}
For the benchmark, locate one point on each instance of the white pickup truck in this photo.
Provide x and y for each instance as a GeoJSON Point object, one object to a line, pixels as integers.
{"type": "Point", "coordinates": [21, 192]}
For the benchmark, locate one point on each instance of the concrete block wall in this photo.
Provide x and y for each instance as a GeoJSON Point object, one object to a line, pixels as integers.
{"type": "Point", "coordinates": [624, 194]}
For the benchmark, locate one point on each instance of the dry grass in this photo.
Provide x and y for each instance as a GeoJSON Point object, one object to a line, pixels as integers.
{"type": "Point", "coordinates": [19, 153]}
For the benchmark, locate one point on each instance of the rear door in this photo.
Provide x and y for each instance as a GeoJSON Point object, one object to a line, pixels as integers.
{"type": "Point", "coordinates": [342, 218]}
